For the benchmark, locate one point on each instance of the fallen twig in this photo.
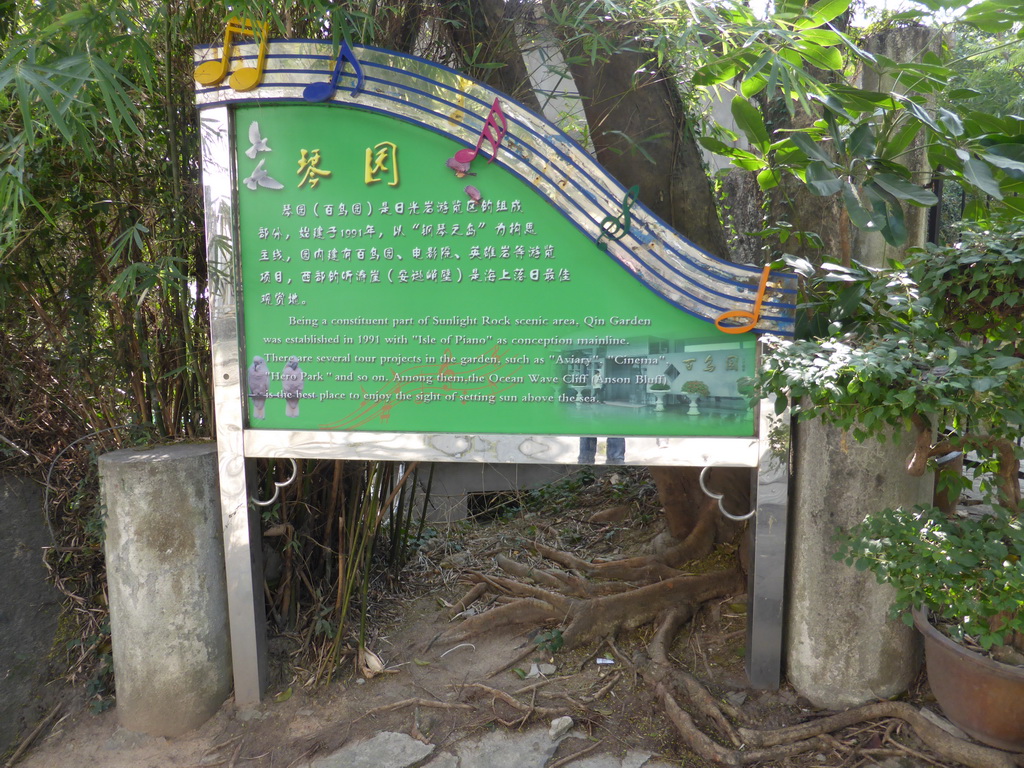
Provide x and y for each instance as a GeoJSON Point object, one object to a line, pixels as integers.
{"type": "Point", "coordinates": [613, 679]}
{"type": "Point", "coordinates": [27, 741]}
{"type": "Point", "coordinates": [515, 703]}
{"type": "Point", "coordinates": [569, 758]}
{"type": "Point", "coordinates": [419, 702]}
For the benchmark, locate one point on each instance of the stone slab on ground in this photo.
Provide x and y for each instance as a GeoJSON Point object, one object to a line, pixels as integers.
{"type": "Point", "coordinates": [444, 760]}
{"type": "Point", "coordinates": [385, 750]}
{"type": "Point", "coordinates": [504, 749]}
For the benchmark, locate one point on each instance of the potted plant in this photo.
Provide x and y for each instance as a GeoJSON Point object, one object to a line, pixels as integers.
{"type": "Point", "coordinates": [934, 344]}
{"type": "Point", "coordinates": [960, 580]}
{"type": "Point", "coordinates": [694, 391]}
{"type": "Point", "coordinates": [659, 390]}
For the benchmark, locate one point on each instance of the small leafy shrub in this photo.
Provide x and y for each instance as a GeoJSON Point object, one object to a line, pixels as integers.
{"type": "Point", "coordinates": [549, 641]}
{"type": "Point", "coordinates": [969, 573]}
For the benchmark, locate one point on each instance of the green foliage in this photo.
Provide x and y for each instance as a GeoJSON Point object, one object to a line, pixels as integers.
{"type": "Point", "coordinates": [937, 338]}
{"type": "Point", "coordinates": [99, 688]}
{"type": "Point", "coordinates": [977, 287]}
{"type": "Point", "coordinates": [969, 573]}
{"type": "Point", "coordinates": [853, 142]}
{"type": "Point", "coordinates": [935, 342]}
{"type": "Point", "coordinates": [549, 641]}
{"type": "Point", "coordinates": [696, 388]}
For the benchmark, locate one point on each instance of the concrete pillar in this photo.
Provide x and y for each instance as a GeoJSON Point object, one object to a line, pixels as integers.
{"type": "Point", "coordinates": [167, 589]}
{"type": "Point", "coordinates": [842, 648]}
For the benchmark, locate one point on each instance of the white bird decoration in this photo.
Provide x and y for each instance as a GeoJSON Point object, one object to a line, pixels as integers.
{"type": "Point", "coordinates": [259, 144]}
{"type": "Point", "coordinates": [292, 379]}
{"type": "Point", "coordinates": [259, 386]}
{"type": "Point", "coordinates": [260, 178]}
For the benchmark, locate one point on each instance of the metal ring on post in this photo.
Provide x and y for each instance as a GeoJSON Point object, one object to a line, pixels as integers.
{"type": "Point", "coordinates": [720, 496]}
{"type": "Point", "coordinates": [278, 486]}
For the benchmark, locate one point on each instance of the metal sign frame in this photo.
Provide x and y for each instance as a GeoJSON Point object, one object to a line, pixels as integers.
{"type": "Point", "coordinates": [414, 90]}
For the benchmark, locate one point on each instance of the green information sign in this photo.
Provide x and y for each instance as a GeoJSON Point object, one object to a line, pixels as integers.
{"type": "Point", "coordinates": [405, 265]}
{"type": "Point", "coordinates": [385, 290]}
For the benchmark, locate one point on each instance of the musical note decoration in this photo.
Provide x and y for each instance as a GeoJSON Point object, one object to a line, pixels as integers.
{"type": "Point", "coordinates": [616, 227]}
{"type": "Point", "coordinates": [494, 130]}
{"type": "Point", "coordinates": [752, 316]}
{"type": "Point", "coordinates": [457, 115]}
{"type": "Point", "coordinates": [242, 79]}
{"type": "Point", "coordinates": [316, 92]}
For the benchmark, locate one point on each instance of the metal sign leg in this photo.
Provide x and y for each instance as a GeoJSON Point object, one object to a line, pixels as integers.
{"type": "Point", "coordinates": [767, 577]}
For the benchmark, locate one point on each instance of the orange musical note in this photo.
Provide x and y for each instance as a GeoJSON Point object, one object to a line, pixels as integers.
{"type": "Point", "coordinates": [492, 132]}
{"type": "Point", "coordinates": [742, 313]}
{"type": "Point", "coordinates": [245, 78]}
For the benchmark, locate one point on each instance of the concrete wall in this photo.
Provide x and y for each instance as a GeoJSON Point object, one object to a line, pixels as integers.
{"type": "Point", "coordinates": [167, 588]}
{"type": "Point", "coordinates": [29, 610]}
{"type": "Point", "coordinates": [452, 482]}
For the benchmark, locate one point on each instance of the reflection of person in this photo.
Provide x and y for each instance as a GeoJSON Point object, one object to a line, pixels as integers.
{"type": "Point", "coordinates": [596, 384]}
{"type": "Point", "coordinates": [616, 450]}
{"type": "Point", "coordinates": [292, 379]}
{"type": "Point", "coordinates": [259, 386]}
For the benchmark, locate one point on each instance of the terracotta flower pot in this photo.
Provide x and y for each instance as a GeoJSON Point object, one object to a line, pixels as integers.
{"type": "Point", "coordinates": [981, 696]}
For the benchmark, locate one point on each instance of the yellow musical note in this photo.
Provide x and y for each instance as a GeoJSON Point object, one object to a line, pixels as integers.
{"type": "Point", "coordinates": [246, 78]}
{"type": "Point", "coordinates": [212, 72]}
{"type": "Point", "coordinates": [457, 115]}
{"type": "Point", "coordinates": [742, 313]}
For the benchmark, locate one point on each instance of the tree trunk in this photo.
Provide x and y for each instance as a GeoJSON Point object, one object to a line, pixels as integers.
{"type": "Point", "coordinates": [641, 135]}
{"type": "Point", "coordinates": [484, 32]}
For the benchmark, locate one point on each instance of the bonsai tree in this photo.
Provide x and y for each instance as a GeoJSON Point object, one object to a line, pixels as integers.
{"type": "Point", "coordinates": [698, 388]}
{"type": "Point", "coordinates": [934, 345]}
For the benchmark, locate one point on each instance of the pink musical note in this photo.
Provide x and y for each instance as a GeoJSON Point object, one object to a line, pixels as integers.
{"type": "Point", "coordinates": [494, 130]}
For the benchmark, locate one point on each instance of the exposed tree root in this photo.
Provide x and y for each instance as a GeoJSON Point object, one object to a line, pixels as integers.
{"type": "Point", "coordinates": [752, 745]}
{"type": "Point", "coordinates": [467, 600]}
{"type": "Point", "coordinates": [568, 583]}
{"type": "Point", "coordinates": [636, 569]}
{"type": "Point", "coordinates": [593, 600]}
{"type": "Point", "coordinates": [587, 619]}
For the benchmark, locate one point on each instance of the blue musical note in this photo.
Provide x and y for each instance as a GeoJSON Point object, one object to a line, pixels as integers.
{"type": "Point", "coordinates": [315, 92]}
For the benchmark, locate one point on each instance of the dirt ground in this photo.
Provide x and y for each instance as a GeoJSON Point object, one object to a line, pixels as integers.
{"type": "Point", "coordinates": [445, 692]}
